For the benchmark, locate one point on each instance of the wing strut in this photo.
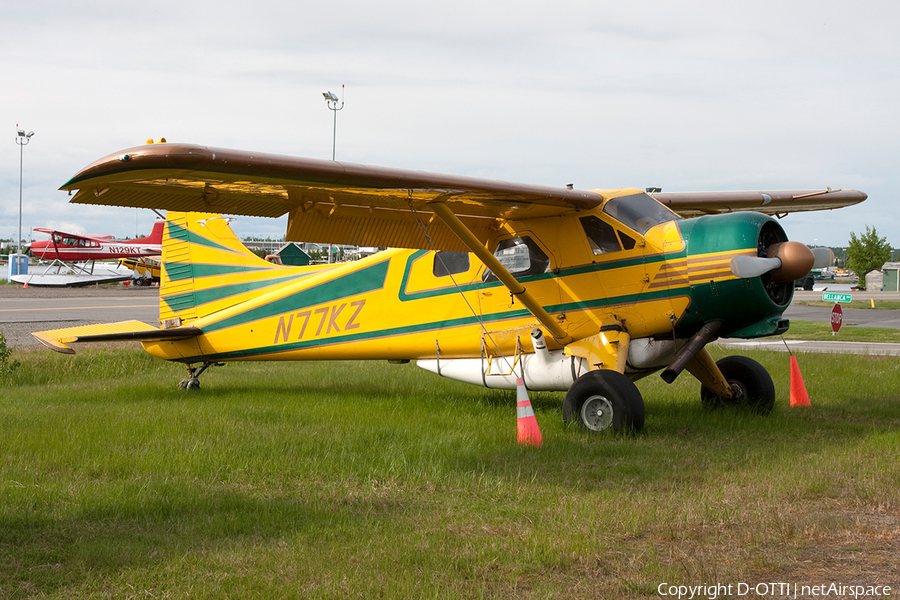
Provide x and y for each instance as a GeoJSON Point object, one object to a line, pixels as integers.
{"type": "Point", "coordinates": [505, 277]}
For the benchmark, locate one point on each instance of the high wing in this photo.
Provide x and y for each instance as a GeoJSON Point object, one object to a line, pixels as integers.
{"type": "Point", "coordinates": [74, 236]}
{"type": "Point", "coordinates": [327, 201]}
{"type": "Point", "coordinates": [334, 202]}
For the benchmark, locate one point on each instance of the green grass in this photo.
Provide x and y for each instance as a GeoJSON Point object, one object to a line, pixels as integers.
{"type": "Point", "coordinates": [821, 331]}
{"type": "Point", "coordinates": [361, 480]}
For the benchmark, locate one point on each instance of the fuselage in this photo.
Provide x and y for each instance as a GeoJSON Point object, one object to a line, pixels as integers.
{"type": "Point", "coordinates": [79, 249]}
{"type": "Point", "coordinates": [653, 275]}
{"type": "Point", "coordinates": [69, 247]}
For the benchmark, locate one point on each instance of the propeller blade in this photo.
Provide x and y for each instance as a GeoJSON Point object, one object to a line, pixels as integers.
{"type": "Point", "coordinates": [786, 261]}
{"type": "Point", "coordinates": [746, 267]}
{"type": "Point", "coordinates": [824, 257]}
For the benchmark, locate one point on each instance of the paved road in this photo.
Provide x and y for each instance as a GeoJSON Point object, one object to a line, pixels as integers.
{"type": "Point", "coordinates": [859, 317]}
{"type": "Point", "coordinates": [36, 309]}
{"type": "Point", "coordinates": [776, 344]}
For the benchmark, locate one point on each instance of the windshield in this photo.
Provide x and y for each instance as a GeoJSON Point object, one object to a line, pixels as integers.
{"type": "Point", "coordinates": [639, 211]}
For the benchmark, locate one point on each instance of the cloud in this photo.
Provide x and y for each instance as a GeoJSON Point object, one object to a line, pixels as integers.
{"type": "Point", "coordinates": [689, 95]}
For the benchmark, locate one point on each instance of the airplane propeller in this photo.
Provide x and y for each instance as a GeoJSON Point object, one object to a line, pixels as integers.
{"type": "Point", "coordinates": [787, 261]}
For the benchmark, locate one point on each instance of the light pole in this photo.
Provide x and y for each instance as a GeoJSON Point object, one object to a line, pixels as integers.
{"type": "Point", "coordinates": [332, 100]}
{"type": "Point", "coordinates": [22, 140]}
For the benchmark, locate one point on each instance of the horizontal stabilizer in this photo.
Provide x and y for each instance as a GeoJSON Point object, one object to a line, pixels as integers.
{"type": "Point", "coordinates": [58, 339]}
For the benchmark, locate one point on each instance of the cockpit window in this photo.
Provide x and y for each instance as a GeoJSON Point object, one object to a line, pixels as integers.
{"type": "Point", "coordinates": [600, 234]}
{"type": "Point", "coordinates": [639, 211]}
{"type": "Point", "coordinates": [627, 241]}
{"type": "Point", "coordinates": [521, 257]}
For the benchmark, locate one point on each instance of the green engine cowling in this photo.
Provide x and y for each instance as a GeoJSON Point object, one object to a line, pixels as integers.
{"type": "Point", "coordinates": [750, 307]}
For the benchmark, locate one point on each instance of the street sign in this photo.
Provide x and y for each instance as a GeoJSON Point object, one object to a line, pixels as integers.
{"type": "Point", "coordinates": [837, 317]}
{"type": "Point", "coordinates": [835, 297]}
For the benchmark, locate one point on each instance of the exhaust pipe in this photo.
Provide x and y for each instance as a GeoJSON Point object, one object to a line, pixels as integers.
{"type": "Point", "coordinates": [706, 334]}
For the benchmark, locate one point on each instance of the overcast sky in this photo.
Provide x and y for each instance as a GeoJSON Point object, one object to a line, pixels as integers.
{"type": "Point", "coordinates": [684, 95]}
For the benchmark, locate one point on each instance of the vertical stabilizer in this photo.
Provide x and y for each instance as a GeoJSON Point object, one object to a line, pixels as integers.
{"type": "Point", "coordinates": [156, 234]}
{"type": "Point", "coordinates": [206, 268]}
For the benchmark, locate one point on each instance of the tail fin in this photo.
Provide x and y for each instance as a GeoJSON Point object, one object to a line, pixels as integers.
{"type": "Point", "coordinates": [156, 234]}
{"type": "Point", "coordinates": [206, 268]}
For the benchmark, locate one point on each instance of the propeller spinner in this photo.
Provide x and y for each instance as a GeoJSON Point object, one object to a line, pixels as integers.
{"type": "Point", "coordinates": [786, 261]}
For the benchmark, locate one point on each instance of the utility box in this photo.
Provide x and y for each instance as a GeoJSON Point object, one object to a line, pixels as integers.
{"type": "Point", "coordinates": [17, 265]}
{"type": "Point", "coordinates": [891, 282]}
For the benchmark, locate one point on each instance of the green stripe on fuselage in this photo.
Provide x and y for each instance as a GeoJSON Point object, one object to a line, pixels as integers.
{"type": "Point", "coordinates": [180, 271]}
{"type": "Point", "coordinates": [201, 297]}
{"type": "Point", "coordinates": [611, 265]}
{"type": "Point", "coordinates": [358, 282]}
{"type": "Point", "coordinates": [356, 337]}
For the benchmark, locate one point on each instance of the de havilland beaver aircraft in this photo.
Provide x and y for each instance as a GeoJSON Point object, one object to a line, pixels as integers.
{"type": "Point", "coordinates": [488, 282]}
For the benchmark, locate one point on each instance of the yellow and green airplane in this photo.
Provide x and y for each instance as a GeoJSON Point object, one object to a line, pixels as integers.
{"type": "Point", "coordinates": [487, 282]}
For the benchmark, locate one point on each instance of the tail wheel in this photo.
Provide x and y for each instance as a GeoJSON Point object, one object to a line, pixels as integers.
{"type": "Point", "coordinates": [604, 400]}
{"type": "Point", "coordinates": [750, 383]}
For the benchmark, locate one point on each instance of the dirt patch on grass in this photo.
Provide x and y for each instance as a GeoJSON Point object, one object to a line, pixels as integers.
{"type": "Point", "coordinates": [865, 552]}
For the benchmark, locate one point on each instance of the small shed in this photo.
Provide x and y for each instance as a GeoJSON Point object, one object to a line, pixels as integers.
{"type": "Point", "coordinates": [891, 277]}
{"type": "Point", "coordinates": [292, 254]}
{"type": "Point", "coordinates": [874, 281]}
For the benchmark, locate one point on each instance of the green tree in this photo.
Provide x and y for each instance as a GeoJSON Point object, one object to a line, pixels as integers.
{"type": "Point", "coordinates": [867, 253]}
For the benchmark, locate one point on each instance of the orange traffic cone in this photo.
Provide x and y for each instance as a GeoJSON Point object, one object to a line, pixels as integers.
{"type": "Point", "coordinates": [799, 397]}
{"type": "Point", "coordinates": [529, 432]}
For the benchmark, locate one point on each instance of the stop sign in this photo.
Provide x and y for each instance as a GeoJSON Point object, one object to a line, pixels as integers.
{"type": "Point", "coordinates": [837, 317]}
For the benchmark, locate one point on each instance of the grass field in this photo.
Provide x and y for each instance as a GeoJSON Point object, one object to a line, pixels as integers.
{"type": "Point", "coordinates": [365, 480]}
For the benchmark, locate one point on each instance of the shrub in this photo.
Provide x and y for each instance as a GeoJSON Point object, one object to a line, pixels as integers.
{"type": "Point", "coordinates": [6, 365]}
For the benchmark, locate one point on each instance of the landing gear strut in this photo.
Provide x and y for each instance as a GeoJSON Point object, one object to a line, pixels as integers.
{"type": "Point", "coordinates": [193, 380]}
{"type": "Point", "coordinates": [751, 386]}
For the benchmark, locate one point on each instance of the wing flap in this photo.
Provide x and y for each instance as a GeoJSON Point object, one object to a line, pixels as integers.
{"type": "Point", "coordinates": [59, 339]}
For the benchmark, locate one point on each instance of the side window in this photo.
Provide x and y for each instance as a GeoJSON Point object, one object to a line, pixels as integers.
{"type": "Point", "coordinates": [450, 263]}
{"type": "Point", "coordinates": [601, 235]}
{"type": "Point", "coordinates": [627, 241]}
{"type": "Point", "coordinates": [521, 257]}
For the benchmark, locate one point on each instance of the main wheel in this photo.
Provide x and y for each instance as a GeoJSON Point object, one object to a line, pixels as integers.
{"type": "Point", "coordinates": [750, 382]}
{"type": "Point", "coordinates": [604, 400]}
{"type": "Point", "coordinates": [191, 383]}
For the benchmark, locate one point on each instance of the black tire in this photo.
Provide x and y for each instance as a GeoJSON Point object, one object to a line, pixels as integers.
{"type": "Point", "coordinates": [604, 400]}
{"type": "Point", "coordinates": [808, 284]}
{"type": "Point", "coordinates": [751, 383]}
